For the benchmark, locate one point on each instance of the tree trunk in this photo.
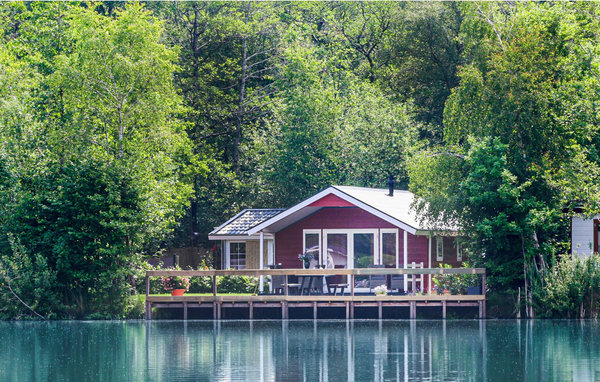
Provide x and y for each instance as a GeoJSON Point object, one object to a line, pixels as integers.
{"type": "Point", "coordinates": [240, 112]}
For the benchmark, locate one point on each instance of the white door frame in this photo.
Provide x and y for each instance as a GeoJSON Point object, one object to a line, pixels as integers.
{"type": "Point", "coordinates": [350, 243]}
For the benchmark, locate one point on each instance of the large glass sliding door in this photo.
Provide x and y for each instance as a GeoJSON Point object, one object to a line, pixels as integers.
{"type": "Point", "coordinates": [363, 255]}
{"type": "Point", "coordinates": [364, 250]}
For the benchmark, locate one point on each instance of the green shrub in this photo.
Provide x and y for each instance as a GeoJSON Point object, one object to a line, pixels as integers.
{"type": "Point", "coordinates": [200, 284]}
{"type": "Point", "coordinates": [456, 284]}
{"type": "Point", "coordinates": [26, 285]}
{"type": "Point", "coordinates": [569, 288]}
{"type": "Point", "coordinates": [236, 284]}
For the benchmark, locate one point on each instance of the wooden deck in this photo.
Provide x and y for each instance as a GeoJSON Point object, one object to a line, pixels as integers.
{"type": "Point", "coordinates": [285, 301]}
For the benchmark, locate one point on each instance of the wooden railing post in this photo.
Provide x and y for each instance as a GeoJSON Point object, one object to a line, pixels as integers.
{"type": "Point", "coordinates": [483, 291]}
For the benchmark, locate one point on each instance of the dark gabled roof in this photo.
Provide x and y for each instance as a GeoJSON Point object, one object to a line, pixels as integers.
{"type": "Point", "coordinates": [242, 222]}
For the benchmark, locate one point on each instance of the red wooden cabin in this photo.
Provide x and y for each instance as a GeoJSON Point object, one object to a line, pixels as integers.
{"type": "Point", "coordinates": [343, 227]}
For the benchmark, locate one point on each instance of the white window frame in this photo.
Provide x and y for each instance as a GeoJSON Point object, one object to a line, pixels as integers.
{"type": "Point", "coordinates": [439, 248]}
{"type": "Point", "coordinates": [313, 232]}
{"type": "Point", "coordinates": [395, 232]}
{"type": "Point", "coordinates": [459, 256]}
{"type": "Point", "coordinates": [228, 252]}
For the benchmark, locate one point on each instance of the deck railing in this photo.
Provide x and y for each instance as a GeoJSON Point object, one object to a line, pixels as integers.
{"type": "Point", "coordinates": [319, 272]}
{"type": "Point", "coordinates": [349, 301]}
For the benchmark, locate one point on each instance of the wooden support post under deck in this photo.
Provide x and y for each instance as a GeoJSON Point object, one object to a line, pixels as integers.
{"type": "Point", "coordinates": [214, 282]}
{"type": "Point", "coordinates": [250, 310]}
{"type": "Point", "coordinates": [444, 309]}
{"type": "Point", "coordinates": [379, 310]}
{"type": "Point", "coordinates": [413, 310]}
{"type": "Point", "coordinates": [314, 310]}
{"type": "Point", "coordinates": [481, 315]}
{"type": "Point", "coordinates": [347, 310]}
{"type": "Point", "coordinates": [218, 310]}
{"type": "Point", "coordinates": [185, 310]}
{"type": "Point", "coordinates": [284, 310]}
{"type": "Point", "coordinates": [214, 310]}
{"type": "Point", "coordinates": [352, 309]}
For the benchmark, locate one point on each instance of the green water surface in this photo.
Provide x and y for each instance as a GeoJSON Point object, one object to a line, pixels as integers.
{"type": "Point", "coordinates": [300, 351]}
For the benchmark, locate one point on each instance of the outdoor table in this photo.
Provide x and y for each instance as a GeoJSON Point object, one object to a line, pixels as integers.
{"type": "Point", "coordinates": [309, 281]}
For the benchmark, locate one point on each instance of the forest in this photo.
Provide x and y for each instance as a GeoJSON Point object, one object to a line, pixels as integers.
{"type": "Point", "coordinates": [127, 128]}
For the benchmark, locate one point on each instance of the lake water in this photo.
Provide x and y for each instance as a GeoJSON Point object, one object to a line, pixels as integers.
{"type": "Point", "coordinates": [300, 351]}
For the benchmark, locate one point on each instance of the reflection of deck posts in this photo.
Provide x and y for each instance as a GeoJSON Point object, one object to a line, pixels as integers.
{"type": "Point", "coordinates": [261, 261]}
{"type": "Point", "coordinates": [350, 350]}
{"type": "Point", "coordinates": [483, 337]}
{"type": "Point", "coordinates": [444, 309]}
{"type": "Point", "coordinates": [405, 357]}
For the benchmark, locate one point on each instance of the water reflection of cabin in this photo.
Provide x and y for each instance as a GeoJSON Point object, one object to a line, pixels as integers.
{"type": "Point", "coordinates": [359, 227]}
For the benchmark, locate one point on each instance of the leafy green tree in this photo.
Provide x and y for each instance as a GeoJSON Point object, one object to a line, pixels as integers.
{"type": "Point", "coordinates": [96, 163]}
{"type": "Point", "coordinates": [511, 138]}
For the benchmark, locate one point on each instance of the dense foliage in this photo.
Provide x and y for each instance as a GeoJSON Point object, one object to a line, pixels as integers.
{"type": "Point", "coordinates": [126, 128]}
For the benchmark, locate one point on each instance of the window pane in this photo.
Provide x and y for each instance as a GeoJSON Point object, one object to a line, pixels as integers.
{"type": "Point", "coordinates": [388, 249]}
{"type": "Point", "coordinates": [237, 255]}
{"type": "Point", "coordinates": [363, 250]}
{"type": "Point", "coordinates": [311, 240]}
{"type": "Point", "coordinates": [337, 250]}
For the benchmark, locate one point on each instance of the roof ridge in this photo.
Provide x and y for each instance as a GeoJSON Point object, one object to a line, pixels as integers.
{"type": "Point", "coordinates": [370, 188]}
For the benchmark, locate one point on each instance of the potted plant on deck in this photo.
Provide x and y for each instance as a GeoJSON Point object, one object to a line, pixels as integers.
{"type": "Point", "coordinates": [380, 290]}
{"type": "Point", "coordinates": [177, 285]}
{"type": "Point", "coordinates": [306, 259]}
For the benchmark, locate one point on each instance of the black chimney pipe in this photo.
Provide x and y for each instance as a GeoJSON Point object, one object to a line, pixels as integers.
{"type": "Point", "coordinates": [391, 185]}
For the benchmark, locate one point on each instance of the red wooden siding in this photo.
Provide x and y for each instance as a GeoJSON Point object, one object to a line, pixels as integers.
{"type": "Point", "coordinates": [331, 201]}
{"type": "Point", "coordinates": [288, 242]}
{"type": "Point", "coordinates": [449, 253]}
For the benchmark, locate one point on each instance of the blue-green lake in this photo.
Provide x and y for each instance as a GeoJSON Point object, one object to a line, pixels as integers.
{"type": "Point", "coordinates": [417, 350]}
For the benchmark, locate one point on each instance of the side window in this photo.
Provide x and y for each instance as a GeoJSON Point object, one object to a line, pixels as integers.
{"type": "Point", "coordinates": [237, 255]}
{"type": "Point", "coordinates": [439, 248]}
